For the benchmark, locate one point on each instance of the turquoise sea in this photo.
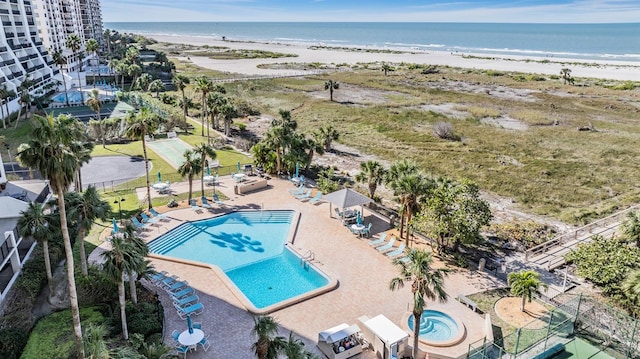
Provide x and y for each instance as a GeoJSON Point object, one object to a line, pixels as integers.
{"type": "Point", "coordinates": [579, 41]}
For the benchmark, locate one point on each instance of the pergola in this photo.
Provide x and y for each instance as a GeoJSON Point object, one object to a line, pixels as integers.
{"type": "Point", "coordinates": [346, 198]}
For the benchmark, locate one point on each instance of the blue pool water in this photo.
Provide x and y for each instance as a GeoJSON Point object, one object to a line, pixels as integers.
{"type": "Point", "coordinates": [249, 246]}
{"type": "Point", "coordinates": [436, 326]}
{"type": "Point", "coordinates": [74, 96]}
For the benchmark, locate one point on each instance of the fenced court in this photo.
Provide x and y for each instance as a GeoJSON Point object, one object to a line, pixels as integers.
{"type": "Point", "coordinates": [580, 349]}
{"type": "Point", "coordinates": [171, 150]}
{"type": "Point", "coordinates": [85, 113]}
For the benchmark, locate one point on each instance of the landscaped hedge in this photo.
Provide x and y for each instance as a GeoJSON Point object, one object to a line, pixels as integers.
{"type": "Point", "coordinates": [12, 341]}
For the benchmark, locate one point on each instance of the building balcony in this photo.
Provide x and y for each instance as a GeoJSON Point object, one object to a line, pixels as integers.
{"type": "Point", "coordinates": [4, 11]}
{"type": "Point", "coordinates": [6, 23]}
{"type": "Point", "coordinates": [15, 12]}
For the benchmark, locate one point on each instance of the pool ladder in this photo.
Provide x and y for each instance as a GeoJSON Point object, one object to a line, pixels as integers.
{"type": "Point", "coordinates": [308, 257]}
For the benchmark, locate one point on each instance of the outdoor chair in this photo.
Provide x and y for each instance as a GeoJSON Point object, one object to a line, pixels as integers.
{"type": "Point", "coordinates": [157, 215]}
{"type": "Point", "coordinates": [316, 198]}
{"type": "Point", "coordinates": [397, 252]}
{"type": "Point", "coordinates": [194, 309]}
{"type": "Point", "coordinates": [379, 241]}
{"type": "Point", "coordinates": [167, 281]}
{"type": "Point", "coordinates": [183, 293]}
{"type": "Point", "coordinates": [175, 334]}
{"type": "Point", "coordinates": [367, 230]}
{"type": "Point", "coordinates": [182, 349]}
{"type": "Point", "coordinates": [387, 246]}
{"type": "Point", "coordinates": [205, 203]}
{"type": "Point", "coordinates": [305, 195]}
{"type": "Point", "coordinates": [147, 219]}
{"type": "Point", "coordinates": [176, 287]}
{"type": "Point", "coordinates": [205, 344]}
{"type": "Point", "coordinates": [137, 223]}
{"type": "Point", "coordinates": [197, 325]}
{"type": "Point", "coordinates": [157, 276]}
{"type": "Point", "coordinates": [217, 200]}
{"type": "Point", "coordinates": [194, 206]}
{"type": "Point", "coordinates": [188, 300]}
{"type": "Point", "coordinates": [298, 190]}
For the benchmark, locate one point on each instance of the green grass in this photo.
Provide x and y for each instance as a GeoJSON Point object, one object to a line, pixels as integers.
{"type": "Point", "coordinates": [52, 337]}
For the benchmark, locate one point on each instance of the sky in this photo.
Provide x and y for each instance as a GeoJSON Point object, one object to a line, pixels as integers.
{"type": "Point", "coordinates": [510, 11]}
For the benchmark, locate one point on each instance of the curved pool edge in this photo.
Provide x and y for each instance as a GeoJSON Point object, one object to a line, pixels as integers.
{"type": "Point", "coordinates": [462, 332]}
{"type": "Point", "coordinates": [333, 284]}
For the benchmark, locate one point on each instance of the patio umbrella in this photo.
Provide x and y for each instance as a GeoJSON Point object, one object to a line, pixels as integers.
{"type": "Point", "coordinates": [359, 219]}
{"type": "Point", "coordinates": [115, 226]}
{"type": "Point", "coordinates": [208, 171]}
{"type": "Point", "coordinates": [159, 176]}
{"type": "Point", "coordinates": [189, 326]}
{"type": "Point", "coordinates": [297, 169]}
{"type": "Point", "coordinates": [238, 166]}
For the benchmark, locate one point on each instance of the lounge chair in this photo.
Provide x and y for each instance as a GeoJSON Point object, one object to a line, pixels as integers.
{"type": "Point", "coordinates": [194, 309]}
{"type": "Point", "coordinates": [137, 223]}
{"type": "Point", "coordinates": [298, 190]}
{"type": "Point", "coordinates": [157, 276]}
{"type": "Point", "coordinates": [216, 199]}
{"type": "Point", "coordinates": [379, 241]}
{"type": "Point", "coordinates": [184, 301]}
{"type": "Point", "coordinates": [147, 219]}
{"type": "Point", "coordinates": [205, 203]}
{"type": "Point", "coordinates": [157, 215]}
{"type": "Point", "coordinates": [397, 252]}
{"type": "Point", "coordinates": [167, 281]}
{"type": "Point", "coordinates": [194, 206]}
{"type": "Point", "coordinates": [404, 259]}
{"type": "Point", "coordinates": [176, 287]}
{"type": "Point", "coordinates": [183, 293]}
{"type": "Point", "coordinates": [387, 246]}
{"type": "Point", "coordinates": [305, 195]}
{"type": "Point", "coordinates": [316, 198]}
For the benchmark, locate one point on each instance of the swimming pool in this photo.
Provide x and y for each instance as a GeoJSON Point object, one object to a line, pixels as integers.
{"type": "Point", "coordinates": [74, 97]}
{"type": "Point", "coordinates": [249, 247]}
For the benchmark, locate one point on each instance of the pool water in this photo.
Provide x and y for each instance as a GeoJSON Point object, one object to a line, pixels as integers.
{"type": "Point", "coordinates": [74, 96]}
{"type": "Point", "coordinates": [249, 246]}
{"type": "Point", "coordinates": [436, 326]}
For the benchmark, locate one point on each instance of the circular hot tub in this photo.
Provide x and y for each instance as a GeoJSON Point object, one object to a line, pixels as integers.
{"type": "Point", "coordinates": [438, 328]}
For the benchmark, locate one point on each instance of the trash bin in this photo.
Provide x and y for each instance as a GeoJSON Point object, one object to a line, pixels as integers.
{"type": "Point", "coordinates": [481, 264]}
{"type": "Point", "coordinates": [392, 221]}
{"type": "Point", "coordinates": [235, 189]}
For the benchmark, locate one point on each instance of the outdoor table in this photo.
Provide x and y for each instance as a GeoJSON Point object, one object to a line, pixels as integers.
{"type": "Point", "coordinates": [209, 179]}
{"type": "Point", "coordinates": [160, 186]}
{"type": "Point", "coordinates": [239, 177]}
{"type": "Point", "coordinates": [190, 339]}
{"type": "Point", "coordinates": [358, 228]}
{"type": "Point", "coordinates": [297, 180]}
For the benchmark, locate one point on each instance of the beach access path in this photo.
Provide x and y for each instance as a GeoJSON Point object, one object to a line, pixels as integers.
{"type": "Point", "coordinates": [615, 70]}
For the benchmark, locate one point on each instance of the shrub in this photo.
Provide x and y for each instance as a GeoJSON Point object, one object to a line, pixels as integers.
{"type": "Point", "coordinates": [145, 318]}
{"type": "Point", "coordinates": [12, 342]}
{"type": "Point", "coordinates": [444, 130]}
{"type": "Point", "coordinates": [526, 234]}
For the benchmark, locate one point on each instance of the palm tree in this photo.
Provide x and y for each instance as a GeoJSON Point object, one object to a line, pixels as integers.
{"type": "Point", "coordinates": [137, 264]}
{"type": "Point", "coordinates": [426, 282]}
{"type": "Point", "coordinates": [631, 285]}
{"type": "Point", "coordinates": [372, 173]}
{"type": "Point", "coordinates": [74, 43]}
{"type": "Point", "coordinates": [268, 344]}
{"type": "Point", "coordinates": [294, 348]}
{"type": "Point", "coordinates": [138, 125]}
{"type": "Point", "coordinates": [107, 39]}
{"type": "Point", "coordinates": [34, 223]}
{"type": "Point", "coordinates": [122, 68]}
{"type": "Point", "coordinates": [279, 136]}
{"type": "Point", "coordinates": [133, 71]}
{"type": "Point", "coordinates": [113, 64]}
{"type": "Point", "coordinates": [412, 188]}
{"type": "Point", "coordinates": [61, 62]}
{"type": "Point", "coordinates": [4, 95]}
{"type": "Point", "coordinates": [631, 228]}
{"type": "Point", "coordinates": [25, 101]}
{"type": "Point", "coordinates": [204, 150]}
{"type": "Point", "coordinates": [204, 86]}
{"type": "Point", "coordinates": [386, 68]}
{"type": "Point", "coordinates": [156, 86]}
{"type": "Point", "coordinates": [331, 85]}
{"type": "Point", "coordinates": [396, 173]}
{"type": "Point", "coordinates": [87, 208]}
{"type": "Point", "coordinates": [116, 264]}
{"type": "Point", "coordinates": [95, 343]}
{"type": "Point", "coordinates": [92, 46]}
{"type": "Point", "coordinates": [190, 167]}
{"type": "Point", "coordinates": [566, 75]}
{"type": "Point", "coordinates": [524, 284]}
{"type": "Point", "coordinates": [329, 134]}
{"type": "Point", "coordinates": [143, 81]}
{"type": "Point", "coordinates": [315, 145]}
{"type": "Point", "coordinates": [52, 150]}
{"type": "Point", "coordinates": [181, 81]}
{"type": "Point", "coordinates": [215, 101]}
{"type": "Point", "coordinates": [96, 105]}
{"type": "Point", "coordinates": [227, 110]}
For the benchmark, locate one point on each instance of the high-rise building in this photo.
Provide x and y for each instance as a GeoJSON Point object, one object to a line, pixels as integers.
{"type": "Point", "coordinates": [24, 59]}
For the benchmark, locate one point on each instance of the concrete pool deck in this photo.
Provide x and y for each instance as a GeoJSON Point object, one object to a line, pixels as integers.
{"type": "Point", "coordinates": [363, 274]}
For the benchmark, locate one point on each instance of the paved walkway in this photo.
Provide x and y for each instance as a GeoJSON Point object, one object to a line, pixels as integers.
{"type": "Point", "coordinates": [363, 274]}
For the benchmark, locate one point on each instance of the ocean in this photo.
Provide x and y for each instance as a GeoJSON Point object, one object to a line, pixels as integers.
{"type": "Point", "coordinates": [620, 42]}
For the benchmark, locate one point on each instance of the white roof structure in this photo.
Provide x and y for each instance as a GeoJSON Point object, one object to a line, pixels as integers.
{"type": "Point", "coordinates": [11, 207]}
{"type": "Point", "coordinates": [386, 330]}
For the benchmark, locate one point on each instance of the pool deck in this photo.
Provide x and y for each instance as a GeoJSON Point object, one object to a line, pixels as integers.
{"type": "Point", "coordinates": [363, 274]}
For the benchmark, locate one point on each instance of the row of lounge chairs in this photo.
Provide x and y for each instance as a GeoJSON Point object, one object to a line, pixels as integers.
{"type": "Point", "coordinates": [303, 194]}
{"type": "Point", "coordinates": [146, 220]}
{"type": "Point", "coordinates": [387, 247]}
{"type": "Point", "coordinates": [183, 296]}
{"type": "Point", "coordinates": [205, 203]}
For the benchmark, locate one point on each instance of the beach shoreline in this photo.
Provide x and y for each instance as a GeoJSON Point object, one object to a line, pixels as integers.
{"type": "Point", "coordinates": [352, 55]}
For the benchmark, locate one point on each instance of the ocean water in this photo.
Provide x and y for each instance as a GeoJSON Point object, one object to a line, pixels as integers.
{"type": "Point", "coordinates": [578, 41]}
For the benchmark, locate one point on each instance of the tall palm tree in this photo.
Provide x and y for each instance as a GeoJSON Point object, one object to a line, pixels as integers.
{"type": "Point", "coordinates": [138, 125]}
{"type": "Point", "coordinates": [204, 86]}
{"type": "Point", "coordinates": [74, 43]}
{"type": "Point", "coordinates": [412, 189]}
{"type": "Point", "coordinates": [133, 71]}
{"type": "Point", "coordinates": [137, 264]}
{"type": "Point", "coordinates": [156, 86]}
{"type": "Point", "coordinates": [116, 264]}
{"type": "Point", "coordinates": [92, 46]}
{"type": "Point", "coordinates": [143, 81]}
{"type": "Point", "coordinates": [426, 282]}
{"type": "Point", "coordinates": [61, 61]}
{"type": "Point", "coordinates": [329, 134]}
{"type": "Point", "coordinates": [227, 110]}
{"type": "Point", "coordinates": [524, 284]}
{"type": "Point", "coordinates": [315, 145]}
{"type": "Point", "coordinates": [331, 85]}
{"type": "Point", "coordinates": [204, 150]}
{"type": "Point", "coordinates": [373, 174]}
{"type": "Point", "coordinates": [87, 208]}
{"type": "Point", "coordinates": [395, 175]}
{"type": "Point", "coordinates": [52, 150]}
{"type": "Point", "coordinates": [95, 104]}
{"type": "Point", "coordinates": [122, 68]}
{"type": "Point", "coordinates": [268, 344]}
{"type": "Point", "coordinates": [180, 82]}
{"type": "Point", "coordinates": [215, 101]}
{"type": "Point", "coordinates": [113, 64]}
{"type": "Point", "coordinates": [107, 39]}
{"type": "Point", "coordinates": [34, 223]}
{"type": "Point", "coordinates": [280, 134]}
{"type": "Point", "coordinates": [191, 167]}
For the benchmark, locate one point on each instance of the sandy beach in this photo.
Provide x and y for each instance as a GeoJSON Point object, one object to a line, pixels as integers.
{"type": "Point", "coordinates": [614, 70]}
